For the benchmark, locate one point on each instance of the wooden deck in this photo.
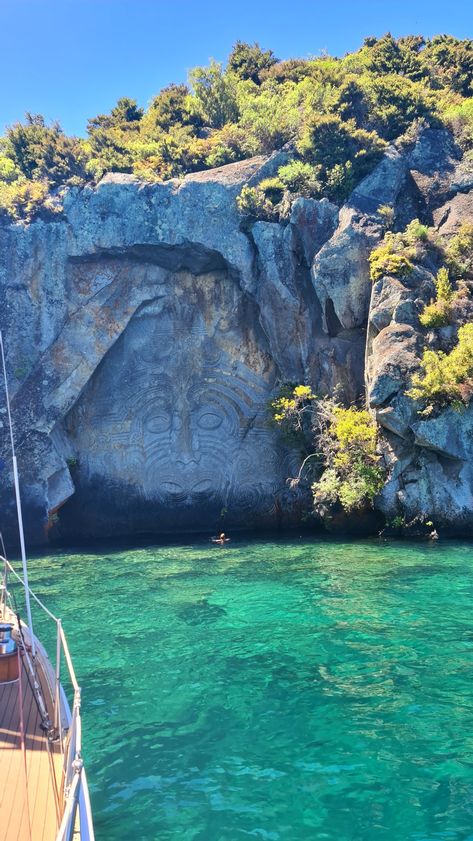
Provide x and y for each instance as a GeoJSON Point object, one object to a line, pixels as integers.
{"type": "Point", "coordinates": [28, 787]}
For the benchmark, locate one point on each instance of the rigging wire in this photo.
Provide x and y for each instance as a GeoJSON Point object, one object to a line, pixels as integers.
{"type": "Point", "coordinates": [18, 501]}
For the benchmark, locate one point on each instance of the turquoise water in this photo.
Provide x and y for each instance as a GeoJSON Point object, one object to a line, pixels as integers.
{"type": "Point", "coordinates": [265, 690]}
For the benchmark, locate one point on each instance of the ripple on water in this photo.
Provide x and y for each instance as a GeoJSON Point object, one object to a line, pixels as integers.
{"type": "Point", "coordinates": [280, 691]}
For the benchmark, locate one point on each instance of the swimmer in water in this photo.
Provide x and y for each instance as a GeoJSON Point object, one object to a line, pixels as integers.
{"type": "Point", "coordinates": [222, 538]}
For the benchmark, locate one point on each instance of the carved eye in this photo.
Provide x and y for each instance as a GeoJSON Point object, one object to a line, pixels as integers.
{"type": "Point", "coordinates": [158, 423]}
{"type": "Point", "coordinates": [210, 420]}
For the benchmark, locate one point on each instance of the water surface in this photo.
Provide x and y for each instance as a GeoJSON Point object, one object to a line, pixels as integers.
{"type": "Point", "coordinates": [273, 690]}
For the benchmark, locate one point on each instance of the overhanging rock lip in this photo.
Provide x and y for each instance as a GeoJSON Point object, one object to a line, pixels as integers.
{"type": "Point", "coordinates": [184, 255]}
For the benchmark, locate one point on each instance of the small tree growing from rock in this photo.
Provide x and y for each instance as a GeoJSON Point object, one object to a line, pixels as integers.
{"type": "Point", "coordinates": [343, 466]}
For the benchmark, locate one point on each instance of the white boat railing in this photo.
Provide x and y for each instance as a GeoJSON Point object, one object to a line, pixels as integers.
{"type": "Point", "coordinates": [66, 724]}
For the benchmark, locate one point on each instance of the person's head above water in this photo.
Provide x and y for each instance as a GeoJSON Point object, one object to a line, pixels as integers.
{"type": "Point", "coordinates": [222, 536]}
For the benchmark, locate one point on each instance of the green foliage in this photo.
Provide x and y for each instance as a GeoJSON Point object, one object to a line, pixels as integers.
{"type": "Point", "coordinates": [459, 116]}
{"type": "Point", "coordinates": [459, 252]}
{"type": "Point", "coordinates": [386, 55]}
{"type": "Point", "coordinates": [328, 140]}
{"type": "Point", "coordinates": [395, 102]}
{"type": "Point", "coordinates": [125, 111]}
{"type": "Point", "coordinates": [337, 114]}
{"type": "Point", "coordinates": [171, 107]}
{"type": "Point", "coordinates": [273, 189]}
{"type": "Point", "coordinates": [387, 215]}
{"type": "Point", "coordinates": [269, 115]}
{"type": "Point", "coordinates": [253, 203]}
{"type": "Point", "coordinates": [9, 171]}
{"type": "Point", "coordinates": [415, 232]}
{"type": "Point", "coordinates": [300, 177]}
{"type": "Point", "coordinates": [214, 95]}
{"type": "Point", "coordinates": [436, 314]}
{"type": "Point", "coordinates": [291, 402]}
{"type": "Point", "coordinates": [396, 253]}
{"type": "Point", "coordinates": [345, 441]}
{"type": "Point", "coordinates": [353, 475]}
{"type": "Point", "coordinates": [446, 378]}
{"type": "Point", "coordinates": [248, 61]}
{"type": "Point", "coordinates": [108, 151]}
{"type": "Point", "coordinates": [44, 153]}
{"type": "Point", "coordinates": [386, 260]}
{"type": "Point", "coordinates": [449, 63]}
{"type": "Point", "coordinates": [23, 200]}
{"type": "Point", "coordinates": [342, 153]}
{"type": "Point", "coordinates": [443, 285]}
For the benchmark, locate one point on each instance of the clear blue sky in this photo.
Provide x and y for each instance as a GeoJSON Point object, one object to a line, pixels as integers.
{"type": "Point", "coordinates": [72, 59]}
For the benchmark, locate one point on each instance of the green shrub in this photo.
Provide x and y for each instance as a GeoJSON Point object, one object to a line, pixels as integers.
{"type": "Point", "coordinates": [171, 107]}
{"type": "Point", "coordinates": [443, 285]}
{"type": "Point", "coordinates": [446, 377]}
{"type": "Point", "coordinates": [387, 215]}
{"type": "Point", "coordinates": [125, 114]}
{"type": "Point", "coordinates": [253, 203]}
{"type": "Point", "coordinates": [227, 145]}
{"type": "Point", "coordinates": [326, 140]}
{"type": "Point", "coordinates": [215, 100]}
{"type": "Point", "coordinates": [460, 119]}
{"type": "Point", "coordinates": [9, 171]}
{"type": "Point", "coordinates": [300, 177]}
{"type": "Point", "coordinates": [342, 153]}
{"type": "Point", "coordinates": [354, 473]}
{"type": "Point", "coordinates": [436, 314]}
{"type": "Point", "coordinates": [449, 63]}
{"type": "Point", "coordinates": [459, 252]}
{"type": "Point", "coordinates": [385, 260]}
{"type": "Point", "coordinates": [415, 232]}
{"type": "Point", "coordinates": [24, 200]}
{"type": "Point", "coordinates": [44, 153]}
{"type": "Point", "coordinates": [273, 189]}
{"type": "Point", "coordinates": [249, 61]}
{"type": "Point", "coordinates": [345, 446]}
{"type": "Point", "coordinates": [396, 253]}
{"type": "Point", "coordinates": [439, 313]}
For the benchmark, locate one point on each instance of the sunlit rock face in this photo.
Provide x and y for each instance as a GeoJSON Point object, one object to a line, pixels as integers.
{"type": "Point", "coordinates": [155, 328]}
{"type": "Point", "coordinates": [172, 429]}
{"type": "Point", "coordinates": [148, 326]}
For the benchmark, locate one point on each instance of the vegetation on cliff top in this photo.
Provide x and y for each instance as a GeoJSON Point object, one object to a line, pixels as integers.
{"type": "Point", "coordinates": [338, 113]}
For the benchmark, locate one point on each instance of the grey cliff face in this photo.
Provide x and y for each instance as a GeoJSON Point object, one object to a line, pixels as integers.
{"type": "Point", "coordinates": [146, 333]}
{"type": "Point", "coordinates": [147, 329]}
{"type": "Point", "coordinates": [430, 460]}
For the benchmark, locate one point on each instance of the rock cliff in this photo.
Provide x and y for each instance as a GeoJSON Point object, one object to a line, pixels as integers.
{"type": "Point", "coordinates": [147, 328]}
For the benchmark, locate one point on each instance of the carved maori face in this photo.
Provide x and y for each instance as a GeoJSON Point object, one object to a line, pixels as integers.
{"type": "Point", "coordinates": [176, 412]}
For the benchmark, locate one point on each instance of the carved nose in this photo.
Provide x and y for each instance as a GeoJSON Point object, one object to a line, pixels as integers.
{"type": "Point", "coordinates": [186, 446]}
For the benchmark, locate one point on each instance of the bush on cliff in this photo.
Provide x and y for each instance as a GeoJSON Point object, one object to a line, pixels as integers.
{"type": "Point", "coordinates": [439, 313]}
{"type": "Point", "coordinates": [253, 202]}
{"type": "Point", "coordinates": [344, 449]}
{"type": "Point", "coordinates": [44, 153]}
{"type": "Point", "coordinates": [397, 253]}
{"type": "Point", "coordinates": [24, 200]}
{"type": "Point", "coordinates": [459, 252]}
{"type": "Point", "coordinates": [446, 378]}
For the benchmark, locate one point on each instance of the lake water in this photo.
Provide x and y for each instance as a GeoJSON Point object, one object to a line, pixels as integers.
{"type": "Point", "coordinates": [273, 690]}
